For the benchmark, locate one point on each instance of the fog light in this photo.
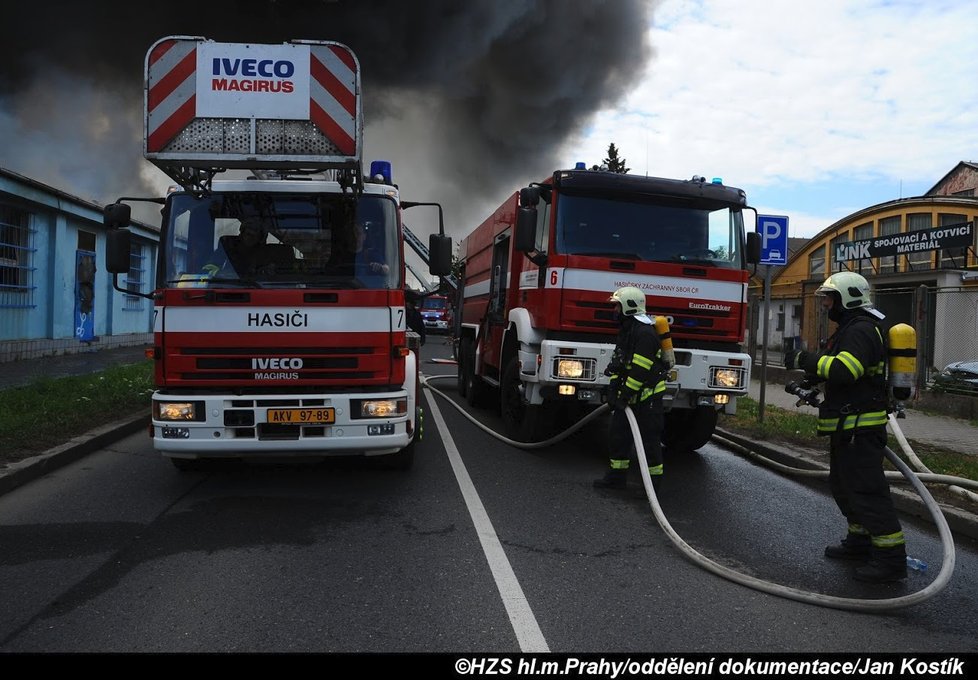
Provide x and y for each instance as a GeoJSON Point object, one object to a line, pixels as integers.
{"type": "Point", "coordinates": [727, 377]}
{"type": "Point", "coordinates": [721, 399]}
{"type": "Point", "coordinates": [380, 429]}
{"type": "Point", "coordinates": [566, 390]}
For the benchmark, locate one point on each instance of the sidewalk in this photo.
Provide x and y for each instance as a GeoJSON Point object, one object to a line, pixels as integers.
{"type": "Point", "coordinates": [26, 371]}
{"type": "Point", "coordinates": [952, 434]}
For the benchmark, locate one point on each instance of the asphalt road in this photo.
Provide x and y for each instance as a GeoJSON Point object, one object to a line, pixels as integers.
{"type": "Point", "coordinates": [120, 552]}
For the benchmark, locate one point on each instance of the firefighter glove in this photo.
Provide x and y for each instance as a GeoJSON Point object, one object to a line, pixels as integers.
{"type": "Point", "coordinates": [795, 358]}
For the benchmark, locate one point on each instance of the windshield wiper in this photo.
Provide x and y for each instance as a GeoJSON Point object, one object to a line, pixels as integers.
{"type": "Point", "coordinates": [620, 256]}
{"type": "Point", "coordinates": [243, 283]}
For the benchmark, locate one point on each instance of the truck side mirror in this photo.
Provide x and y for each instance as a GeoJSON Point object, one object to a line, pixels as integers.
{"type": "Point", "coordinates": [753, 247]}
{"type": "Point", "coordinates": [526, 230]}
{"type": "Point", "coordinates": [529, 197]}
{"type": "Point", "coordinates": [117, 216]}
{"type": "Point", "coordinates": [439, 255]}
{"type": "Point", "coordinates": [117, 250]}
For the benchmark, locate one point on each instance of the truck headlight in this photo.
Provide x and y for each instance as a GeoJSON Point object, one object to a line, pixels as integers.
{"type": "Point", "coordinates": [725, 377]}
{"type": "Point", "coordinates": [379, 408]}
{"type": "Point", "coordinates": [177, 410]}
{"type": "Point", "coordinates": [574, 369]}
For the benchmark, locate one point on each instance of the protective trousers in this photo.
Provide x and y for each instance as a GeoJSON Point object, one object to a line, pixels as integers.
{"type": "Point", "coordinates": [649, 414]}
{"type": "Point", "coordinates": [859, 486]}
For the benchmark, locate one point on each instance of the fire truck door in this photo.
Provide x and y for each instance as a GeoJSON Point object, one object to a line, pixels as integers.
{"type": "Point", "coordinates": [498, 286]}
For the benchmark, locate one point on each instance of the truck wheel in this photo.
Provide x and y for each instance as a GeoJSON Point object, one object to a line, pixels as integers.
{"type": "Point", "coordinates": [523, 422]}
{"type": "Point", "coordinates": [462, 385]}
{"type": "Point", "coordinates": [476, 390]}
{"type": "Point", "coordinates": [403, 459]}
{"type": "Point", "coordinates": [688, 429]}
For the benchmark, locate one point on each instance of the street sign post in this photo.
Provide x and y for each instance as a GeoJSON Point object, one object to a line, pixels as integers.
{"type": "Point", "coordinates": [774, 251]}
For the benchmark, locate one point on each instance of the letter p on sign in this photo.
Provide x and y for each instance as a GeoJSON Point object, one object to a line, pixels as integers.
{"type": "Point", "coordinates": [774, 238]}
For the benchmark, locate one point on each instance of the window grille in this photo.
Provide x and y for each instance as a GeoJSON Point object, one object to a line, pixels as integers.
{"type": "Point", "coordinates": [135, 277]}
{"type": "Point", "coordinates": [17, 285]}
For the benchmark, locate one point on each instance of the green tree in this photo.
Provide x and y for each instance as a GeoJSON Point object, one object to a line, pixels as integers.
{"type": "Point", "coordinates": [613, 163]}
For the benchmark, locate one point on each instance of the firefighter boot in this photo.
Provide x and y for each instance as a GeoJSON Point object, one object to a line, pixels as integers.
{"type": "Point", "coordinates": [613, 479]}
{"type": "Point", "coordinates": [852, 547]}
{"type": "Point", "coordinates": [885, 565]}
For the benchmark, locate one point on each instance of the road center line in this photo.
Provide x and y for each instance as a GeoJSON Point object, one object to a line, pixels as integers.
{"type": "Point", "coordinates": [521, 617]}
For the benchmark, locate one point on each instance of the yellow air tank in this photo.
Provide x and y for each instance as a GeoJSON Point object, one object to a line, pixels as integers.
{"type": "Point", "coordinates": [662, 329]}
{"type": "Point", "coordinates": [902, 367]}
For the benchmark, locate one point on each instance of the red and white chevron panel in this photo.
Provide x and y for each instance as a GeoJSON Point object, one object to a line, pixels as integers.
{"type": "Point", "coordinates": [180, 86]}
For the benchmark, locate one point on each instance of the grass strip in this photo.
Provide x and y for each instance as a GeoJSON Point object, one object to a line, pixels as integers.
{"type": "Point", "coordinates": [51, 411]}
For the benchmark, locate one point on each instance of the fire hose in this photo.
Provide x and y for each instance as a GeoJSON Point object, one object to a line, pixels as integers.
{"type": "Point", "coordinates": [830, 601]}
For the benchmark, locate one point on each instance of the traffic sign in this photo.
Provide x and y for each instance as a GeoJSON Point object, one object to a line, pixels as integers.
{"type": "Point", "coordinates": [774, 238]}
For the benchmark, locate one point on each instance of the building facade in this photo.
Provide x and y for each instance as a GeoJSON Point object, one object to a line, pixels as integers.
{"type": "Point", "coordinates": [918, 254]}
{"type": "Point", "coordinates": [55, 295]}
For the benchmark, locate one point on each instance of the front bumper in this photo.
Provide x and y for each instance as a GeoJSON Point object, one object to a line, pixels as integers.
{"type": "Point", "coordinates": [238, 426]}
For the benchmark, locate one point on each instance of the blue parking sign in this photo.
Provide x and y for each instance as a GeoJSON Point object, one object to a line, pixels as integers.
{"type": "Point", "coordinates": [774, 238]}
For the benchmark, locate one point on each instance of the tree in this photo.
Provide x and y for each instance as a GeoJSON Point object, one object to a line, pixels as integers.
{"type": "Point", "coordinates": [613, 163]}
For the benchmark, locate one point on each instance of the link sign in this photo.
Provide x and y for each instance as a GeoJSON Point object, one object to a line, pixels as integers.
{"type": "Point", "coordinates": [950, 236]}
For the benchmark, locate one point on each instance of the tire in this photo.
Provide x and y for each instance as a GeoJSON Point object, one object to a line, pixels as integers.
{"type": "Point", "coordinates": [476, 390]}
{"type": "Point", "coordinates": [522, 422]}
{"type": "Point", "coordinates": [462, 384]}
{"type": "Point", "coordinates": [403, 459]}
{"type": "Point", "coordinates": [688, 429]}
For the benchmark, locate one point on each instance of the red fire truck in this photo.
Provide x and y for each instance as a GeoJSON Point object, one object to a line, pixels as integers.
{"type": "Point", "coordinates": [537, 329]}
{"type": "Point", "coordinates": [279, 321]}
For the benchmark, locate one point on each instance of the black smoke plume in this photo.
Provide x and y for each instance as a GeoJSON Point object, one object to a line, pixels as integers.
{"type": "Point", "coordinates": [470, 99]}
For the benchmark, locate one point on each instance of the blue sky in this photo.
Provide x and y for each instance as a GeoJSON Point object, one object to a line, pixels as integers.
{"type": "Point", "coordinates": [815, 109]}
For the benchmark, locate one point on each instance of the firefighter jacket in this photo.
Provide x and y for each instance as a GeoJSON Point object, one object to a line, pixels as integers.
{"type": "Point", "coordinates": [637, 370]}
{"type": "Point", "coordinates": [853, 366]}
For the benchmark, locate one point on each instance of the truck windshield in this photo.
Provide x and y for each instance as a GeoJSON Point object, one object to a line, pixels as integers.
{"type": "Point", "coordinates": [278, 240]}
{"type": "Point", "coordinates": [651, 231]}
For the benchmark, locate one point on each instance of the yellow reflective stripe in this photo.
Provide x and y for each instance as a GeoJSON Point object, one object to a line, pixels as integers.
{"type": "Point", "coordinates": [889, 540]}
{"type": "Point", "coordinates": [633, 384]}
{"type": "Point", "coordinates": [651, 392]}
{"type": "Point", "coordinates": [858, 529]}
{"type": "Point", "coordinates": [822, 368]}
{"type": "Point", "coordinates": [639, 360]}
{"type": "Point", "coordinates": [828, 424]}
{"type": "Point", "coordinates": [871, 419]}
{"type": "Point", "coordinates": [655, 470]}
{"type": "Point", "coordinates": [617, 464]}
{"type": "Point", "coordinates": [852, 363]}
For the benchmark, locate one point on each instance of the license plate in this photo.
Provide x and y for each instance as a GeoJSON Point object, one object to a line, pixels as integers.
{"type": "Point", "coordinates": [301, 416]}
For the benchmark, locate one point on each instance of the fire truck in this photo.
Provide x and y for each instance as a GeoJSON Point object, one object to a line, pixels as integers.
{"type": "Point", "coordinates": [279, 320]}
{"type": "Point", "coordinates": [537, 328]}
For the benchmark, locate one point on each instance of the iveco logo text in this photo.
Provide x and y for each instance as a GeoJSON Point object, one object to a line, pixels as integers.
{"type": "Point", "coordinates": [713, 308]}
{"type": "Point", "coordinates": [254, 67]}
{"type": "Point", "coordinates": [276, 363]}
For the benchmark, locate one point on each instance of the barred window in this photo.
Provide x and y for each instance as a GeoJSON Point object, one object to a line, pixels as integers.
{"type": "Point", "coordinates": [919, 259]}
{"type": "Point", "coordinates": [888, 227]}
{"type": "Point", "coordinates": [135, 277]}
{"type": "Point", "coordinates": [863, 232]}
{"type": "Point", "coordinates": [16, 257]}
{"type": "Point", "coordinates": [952, 258]}
{"type": "Point", "coordinates": [816, 263]}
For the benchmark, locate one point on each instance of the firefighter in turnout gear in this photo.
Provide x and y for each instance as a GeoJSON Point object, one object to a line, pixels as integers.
{"type": "Point", "coordinates": [853, 416]}
{"type": "Point", "coordinates": [637, 370]}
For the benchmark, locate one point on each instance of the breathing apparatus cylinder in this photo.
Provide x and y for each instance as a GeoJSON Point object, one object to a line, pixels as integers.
{"type": "Point", "coordinates": [665, 337]}
{"type": "Point", "coordinates": [902, 340]}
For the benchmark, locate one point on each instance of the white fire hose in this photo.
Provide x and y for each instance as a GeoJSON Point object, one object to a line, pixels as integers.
{"type": "Point", "coordinates": [853, 604]}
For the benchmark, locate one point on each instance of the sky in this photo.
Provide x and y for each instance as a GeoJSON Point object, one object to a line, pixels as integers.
{"type": "Point", "coordinates": [816, 110]}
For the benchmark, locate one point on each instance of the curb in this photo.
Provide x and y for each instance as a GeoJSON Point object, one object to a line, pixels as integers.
{"type": "Point", "coordinates": [24, 471]}
{"type": "Point", "coordinates": [961, 521]}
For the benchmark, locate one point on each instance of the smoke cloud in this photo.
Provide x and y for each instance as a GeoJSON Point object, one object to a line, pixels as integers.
{"type": "Point", "coordinates": [469, 100]}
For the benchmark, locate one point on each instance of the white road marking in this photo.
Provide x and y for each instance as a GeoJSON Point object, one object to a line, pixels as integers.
{"type": "Point", "coordinates": [521, 617]}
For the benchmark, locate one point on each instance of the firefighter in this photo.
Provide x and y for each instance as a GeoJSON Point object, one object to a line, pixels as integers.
{"type": "Point", "coordinates": [637, 372]}
{"type": "Point", "coordinates": [853, 416]}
